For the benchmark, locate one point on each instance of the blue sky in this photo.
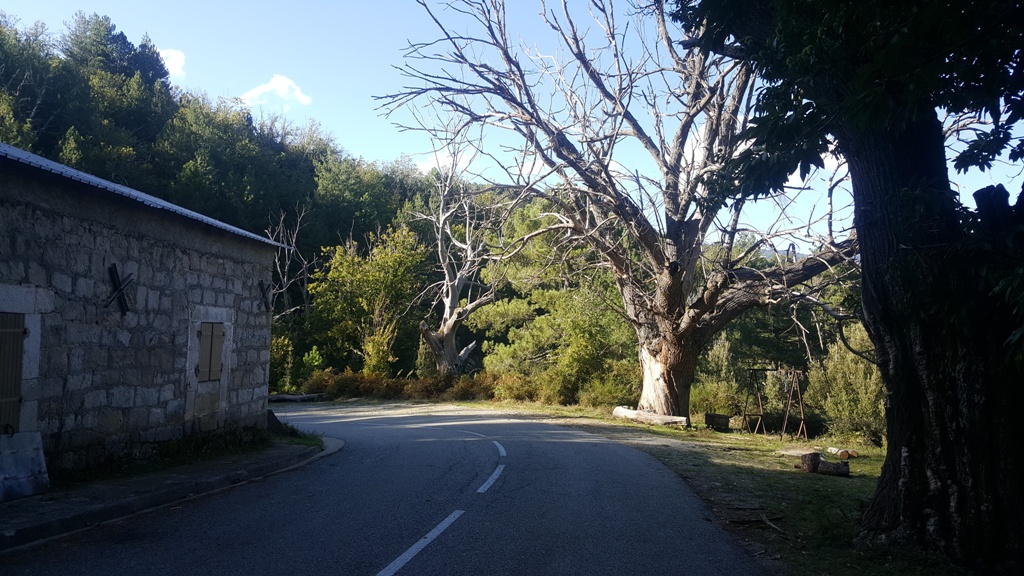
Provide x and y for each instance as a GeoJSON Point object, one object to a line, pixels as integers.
{"type": "Point", "coordinates": [307, 59]}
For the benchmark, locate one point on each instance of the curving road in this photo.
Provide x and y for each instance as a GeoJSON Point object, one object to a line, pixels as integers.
{"type": "Point", "coordinates": [422, 490]}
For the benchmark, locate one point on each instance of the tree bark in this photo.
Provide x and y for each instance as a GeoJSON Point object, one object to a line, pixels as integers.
{"type": "Point", "coordinates": [951, 474]}
{"type": "Point", "coordinates": [669, 367]}
{"type": "Point", "coordinates": [448, 360]}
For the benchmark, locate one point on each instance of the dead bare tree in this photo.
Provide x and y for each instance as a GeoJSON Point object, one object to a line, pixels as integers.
{"type": "Point", "coordinates": [466, 223]}
{"type": "Point", "coordinates": [618, 129]}
{"type": "Point", "coordinates": [291, 267]}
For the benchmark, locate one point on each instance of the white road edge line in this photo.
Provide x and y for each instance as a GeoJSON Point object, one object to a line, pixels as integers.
{"type": "Point", "coordinates": [473, 433]}
{"type": "Point", "coordinates": [402, 560]}
{"type": "Point", "coordinates": [494, 476]}
{"type": "Point", "coordinates": [501, 449]}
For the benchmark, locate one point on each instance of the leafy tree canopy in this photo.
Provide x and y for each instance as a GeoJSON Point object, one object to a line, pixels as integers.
{"type": "Point", "coordinates": [867, 60]}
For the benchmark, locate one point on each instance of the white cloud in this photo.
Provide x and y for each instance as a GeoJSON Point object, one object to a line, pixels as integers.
{"type": "Point", "coordinates": [283, 87]}
{"type": "Point", "coordinates": [174, 60]}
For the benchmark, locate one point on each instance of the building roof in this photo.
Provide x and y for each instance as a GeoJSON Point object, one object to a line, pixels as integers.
{"type": "Point", "coordinates": [35, 161]}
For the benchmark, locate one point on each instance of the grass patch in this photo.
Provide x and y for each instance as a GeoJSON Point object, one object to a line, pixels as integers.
{"type": "Point", "coordinates": [165, 455]}
{"type": "Point", "coordinates": [292, 435]}
{"type": "Point", "coordinates": [189, 450]}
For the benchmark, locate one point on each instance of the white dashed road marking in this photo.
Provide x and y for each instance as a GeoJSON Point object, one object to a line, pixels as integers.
{"type": "Point", "coordinates": [395, 566]}
{"type": "Point", "coordinates": [494, 476]}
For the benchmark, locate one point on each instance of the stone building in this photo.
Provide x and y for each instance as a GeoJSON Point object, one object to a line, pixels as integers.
{"type": "Point", "coordinates": [125, 321]}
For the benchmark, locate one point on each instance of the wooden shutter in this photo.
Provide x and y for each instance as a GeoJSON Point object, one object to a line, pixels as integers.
{"type": "Point", "coordinates": [12, 344]}
{"type": "Point", "coordinates": [211, 351]}
{"type": "Point", "coordinates": [205, 336]}
{"type": "Point", "coordinates": [216, 350]}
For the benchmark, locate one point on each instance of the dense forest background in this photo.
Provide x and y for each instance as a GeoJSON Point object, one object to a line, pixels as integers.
{"type": "Point", "coordinates": [350, 297]}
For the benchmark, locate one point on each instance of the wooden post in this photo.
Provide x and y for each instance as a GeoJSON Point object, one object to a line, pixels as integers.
{"type": "Point", "coordinates": [753, 384]}
{"type": "Point", "coordinates": [794, 384]}
{"type": "Point", "coordinates": [800, 399]}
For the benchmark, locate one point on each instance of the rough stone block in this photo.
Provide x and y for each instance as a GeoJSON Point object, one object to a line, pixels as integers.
{"type": "Point", "coordinates": [62, 282]}
{"type": "Point", "coordinates": [13, 272]}
{"type": "Point", "coordinates": [161, 279]}
{"type": "Point", "coordinates": [88, 421]}
{"type": "Point", "coordinates": [153, 300]}
{"type": "Point", "coordinates": [138, 418]}
{"type": "Point", "coordinates": [76, 359]}
{"type": "Point", "coordinates": [55, 361]}
{"type": "Point", "coordinates": [22, 466]}
{"type": "Point", "coordinates": [79, 333]}
{"type": "Point", "coordinates": [166, 393]}
{"type": "Point", "coordinates": [36, 274]}
{"type": "Point", "coordinates": [141, 296]}
{"type": "Point", "coordinates": [156, 418]}
{"type": "Point", "coordinates": [79, 381]}
{"type": "Point", "coordinates": [95, 399]}
{"type": "Point", "coordinates": [111, 421]}
{"type": "Point", "coordinates": [145, 397]}
{"type": "Point", "coordinates": [176, 408]}
{"type": "Point", "coordinates": [162, 322]}
{"type": "Point", "coordinates": [51, 387]}
{"type": "Point", "coordinates": [122, 397]}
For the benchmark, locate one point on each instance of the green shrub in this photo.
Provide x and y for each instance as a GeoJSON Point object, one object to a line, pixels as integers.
{"type": "Point", "coordinates": [425, 365]}
{"type": "Point", "coordinates": [333, 384]}
{"type": "Point", "coordinates": [282, 359]}
{"type": "Point", "coordinates": [311, 361]}
{"type": "Point", "coordinates": [715, 388]}
{"type": "Point", "coordinates": [423, 388]}
{"type": "Point", "coordinates": [717, 397]}
{"type": "Point", "coordinates": [476, 387]}
{"type": "Point", "coordinates": [321, 381]}
{"type": "Point", "coordinates": [514, 387]}
{"type": "Point", "coordinates": [618, 385]}
{"type": "Point", "coordinates": [849, 390]}
{"type": "Point", "coordinates": [377, 343]}
{"type": "Point", "coordinates": [380, 386]}
{"type": "Point", "coordinates": [558, 385]}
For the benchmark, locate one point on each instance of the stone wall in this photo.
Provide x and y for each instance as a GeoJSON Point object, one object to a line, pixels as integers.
{"type": "Point", "coordinates": [102, 385]}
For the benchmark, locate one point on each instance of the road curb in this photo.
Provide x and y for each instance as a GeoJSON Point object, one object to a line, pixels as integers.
{"type": "Point", "coordinates": [29, 535]}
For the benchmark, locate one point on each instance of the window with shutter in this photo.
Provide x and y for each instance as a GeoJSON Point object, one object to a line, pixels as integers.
{"type": "Point", "coordinates": [211, 351]}
{"type": "Point", "coordinates": [12, 337]}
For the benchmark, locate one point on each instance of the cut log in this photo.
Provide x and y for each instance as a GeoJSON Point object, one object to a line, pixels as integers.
{"type": "Point", "coordinates": [810, 462]}
{"type": "Point", "coordinates": [834, 469]}
{"type": "Point", "coordinates": [294, 397]}
{"type": "Point", "coordinates": [814, 462]}
{"type": "Point", "coordinates": [843, 453]}
{"type": "Point", "coordinates": [649, 417]}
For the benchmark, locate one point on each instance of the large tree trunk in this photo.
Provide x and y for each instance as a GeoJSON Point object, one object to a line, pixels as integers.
{"type": "Point", "coordinates": [449, 360]}
{"type": "Point", "coordinates": [951, 475]}
{"type": "Point", "coordinates": [668, 372]}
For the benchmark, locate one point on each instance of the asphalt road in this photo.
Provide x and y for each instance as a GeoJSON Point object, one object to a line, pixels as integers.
{"type": "Point", "coordinates": [419, 491]}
